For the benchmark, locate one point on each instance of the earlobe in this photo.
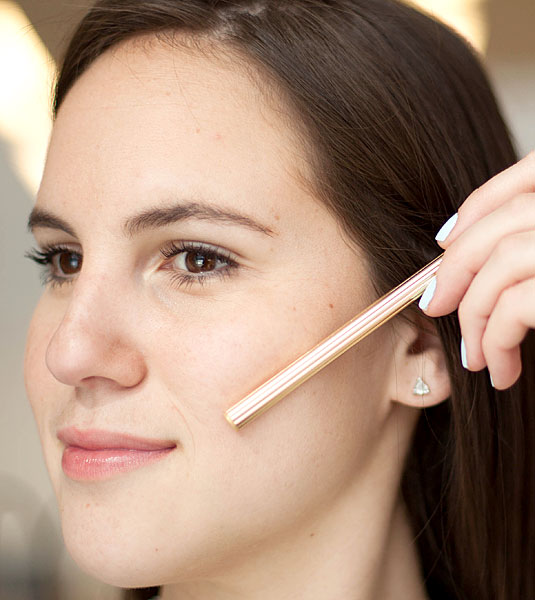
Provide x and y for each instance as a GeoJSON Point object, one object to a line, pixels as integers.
{"type": "Point", "coordinates": [418, 377]}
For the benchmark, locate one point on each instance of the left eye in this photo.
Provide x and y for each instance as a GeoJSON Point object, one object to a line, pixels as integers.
{"type": "Point", "coordinates": [199, 261]}
{"type": "Point", "coordinates": [197, 257]}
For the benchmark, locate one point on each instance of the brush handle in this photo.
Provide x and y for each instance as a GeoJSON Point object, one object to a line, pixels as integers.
{"type": "Point", "coordinates": [344, 338]}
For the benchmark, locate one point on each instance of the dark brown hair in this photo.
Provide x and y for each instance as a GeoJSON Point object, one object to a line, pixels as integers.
{"type": "Point", "coordinates": [400, 125]}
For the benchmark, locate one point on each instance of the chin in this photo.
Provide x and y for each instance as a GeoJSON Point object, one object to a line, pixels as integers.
{"type": "Point", "coordinates": [137, 550]}
{"type": "Point", "coordinates": [111, 544]}
{"type": "Point", "coordinates": [107, 559]}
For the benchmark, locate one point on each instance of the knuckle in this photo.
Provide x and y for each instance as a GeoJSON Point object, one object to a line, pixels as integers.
{"type": "Point", "coordinates": [491, 345]}
{"type": "Point", "coordinates": [509, 298]}
{"type": "Point", "coordinates": [525, 290]}
{"type": "Point", "coordinates": [529, 287]}
{"type": "Point", "coordinates": [488, 345]}
{"type": "Point", "coordinates": [507, 247]}
{"type": "Point", "coordinates": [463, 310]}
{"type": "Point", "coordinates": [521, 203]}
{"type": "Point", "coordinates": [530, 157]}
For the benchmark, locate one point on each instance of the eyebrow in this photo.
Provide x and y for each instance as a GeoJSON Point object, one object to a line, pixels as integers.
{"type": "Point", "coordinates": [154, 218]}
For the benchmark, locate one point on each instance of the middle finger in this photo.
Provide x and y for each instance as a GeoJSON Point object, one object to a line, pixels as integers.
{"type": "Point", "coordinates": [511, 262]}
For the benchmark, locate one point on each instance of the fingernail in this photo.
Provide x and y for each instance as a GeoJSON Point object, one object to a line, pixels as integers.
{"type": "Point", "coordinates": [445, 230]}
{"type": "Point", "coordinates": [491, 381]}
{"type": "Point", "coordinates": [428, 294]}
{"type": "Point", "coordinates": [463, 354]}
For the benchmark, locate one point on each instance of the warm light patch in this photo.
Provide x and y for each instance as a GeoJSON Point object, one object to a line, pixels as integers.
{"type": "Point", "coordinates": [26, 72]}
{"type": "Point", "coordinates": [468, 17]}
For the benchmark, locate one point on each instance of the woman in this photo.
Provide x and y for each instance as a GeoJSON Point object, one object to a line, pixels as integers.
{"type": "Point", "coordinates": [227, 183]}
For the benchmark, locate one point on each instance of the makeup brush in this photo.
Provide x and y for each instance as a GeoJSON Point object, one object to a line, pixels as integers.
{"type": "Point", "coordinates": [344, 338]}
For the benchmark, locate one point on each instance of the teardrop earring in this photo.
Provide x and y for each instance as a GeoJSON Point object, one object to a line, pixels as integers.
{"type": "Point", "coordinates": [420, 388]}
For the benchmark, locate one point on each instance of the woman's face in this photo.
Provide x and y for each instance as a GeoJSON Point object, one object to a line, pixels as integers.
{"type": "Point", "coordinates": [207, 267]}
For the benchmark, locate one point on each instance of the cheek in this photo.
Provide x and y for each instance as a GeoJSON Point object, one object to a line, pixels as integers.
{"type": "Point", "coordinates": [307, 447]}
{"type": "Point", "coordinates": [212, 363]}
{"type": "Point", "coordinates": [279, 473]}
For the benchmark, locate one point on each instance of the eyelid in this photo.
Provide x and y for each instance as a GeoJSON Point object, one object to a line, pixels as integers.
{"type": "Point", "coordinates": [176, 247]}
{"type": "Point", "coordinates": [43, 251]}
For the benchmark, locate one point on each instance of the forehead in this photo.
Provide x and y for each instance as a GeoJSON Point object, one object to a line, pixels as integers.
{"type": "Point", "coordinates": [152, 116]}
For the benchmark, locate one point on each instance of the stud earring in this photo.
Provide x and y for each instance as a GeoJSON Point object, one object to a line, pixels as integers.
{"type": "Point", "coordinates": [420, 388]}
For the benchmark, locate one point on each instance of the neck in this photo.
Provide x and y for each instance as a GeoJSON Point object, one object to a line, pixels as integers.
{"type": "Point", "coordinates": [360, 547]}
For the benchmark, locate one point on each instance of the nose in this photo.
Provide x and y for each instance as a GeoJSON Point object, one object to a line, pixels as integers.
{"type": "Point", "coordinates": [94, 342]}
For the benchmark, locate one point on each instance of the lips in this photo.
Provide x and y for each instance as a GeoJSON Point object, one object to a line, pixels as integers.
{"type": "Point", "coordinates": [96, 455]}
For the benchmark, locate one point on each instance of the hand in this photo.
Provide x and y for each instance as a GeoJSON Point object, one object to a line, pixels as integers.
{"type": "Point", "coordinates": [488, 272]}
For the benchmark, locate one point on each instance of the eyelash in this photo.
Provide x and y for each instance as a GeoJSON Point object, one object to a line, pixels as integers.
{"type": "Point", "coordinates": [183, 279]}
{"type": "Point", "coordinates": [46, 256]}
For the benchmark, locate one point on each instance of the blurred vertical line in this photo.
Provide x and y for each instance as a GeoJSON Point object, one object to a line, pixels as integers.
{"type": "Point", "coordinates": [27, 73]}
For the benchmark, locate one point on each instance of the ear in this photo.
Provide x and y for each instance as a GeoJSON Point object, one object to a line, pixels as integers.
{"type": "Point", "coordinates": [418, 353]}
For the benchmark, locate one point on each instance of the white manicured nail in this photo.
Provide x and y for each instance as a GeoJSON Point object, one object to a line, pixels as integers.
{"type": "Point", "coordinates": [427, 296]}
{"type": "Point", "coordinates": [463, 354]}
{"type": "Point", "coordinates": [445, 230]}
{"type": "Point", "coordinates": [491, 381]}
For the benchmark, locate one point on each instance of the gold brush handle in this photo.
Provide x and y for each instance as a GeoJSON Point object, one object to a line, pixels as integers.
{"type": "Point", "coordinates": [344, 338]}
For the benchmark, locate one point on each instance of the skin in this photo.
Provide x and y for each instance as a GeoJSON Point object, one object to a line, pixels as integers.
{"type": "Point", "coordinates": [304, 502]}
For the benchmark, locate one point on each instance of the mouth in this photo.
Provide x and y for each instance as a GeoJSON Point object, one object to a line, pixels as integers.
{"type": "Point", "coordinates": [96, 455]}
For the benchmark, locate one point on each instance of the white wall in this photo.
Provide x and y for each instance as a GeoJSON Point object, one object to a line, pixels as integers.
{"type": "Point", "coordinates": [514, 83]}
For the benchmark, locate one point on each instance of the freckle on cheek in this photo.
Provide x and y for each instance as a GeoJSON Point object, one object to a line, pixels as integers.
{"type": "Point", "coordinates": [87, 505]}
{"type": "Point", "coordinates": [331, 305]}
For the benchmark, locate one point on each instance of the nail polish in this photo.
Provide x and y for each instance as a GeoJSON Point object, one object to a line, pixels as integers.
{"type": "Point", "coordinates": [445, 230]}
{"type": "Point", "coordinates": [491, 381]}
{"type": "Point", "coordinates": [463, 354]}
{"type": "Point", "coordinates": [428, 294]}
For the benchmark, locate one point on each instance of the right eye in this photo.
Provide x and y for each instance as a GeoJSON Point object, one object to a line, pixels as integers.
{"type": "Point", "coordinates": [61, 264]}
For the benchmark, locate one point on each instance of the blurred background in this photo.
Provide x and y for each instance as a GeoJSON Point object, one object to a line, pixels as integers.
{"type": "Point", "coordinates": [33, 563]}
